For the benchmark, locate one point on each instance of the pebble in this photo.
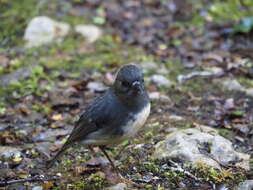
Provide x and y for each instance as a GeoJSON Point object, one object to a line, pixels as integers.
{"type": "Point", "coordinates": [161, 81]}
{"type": "Point", "coordinates": [43, 30]}
{"type": "Point", "coordinates": [90, 32]}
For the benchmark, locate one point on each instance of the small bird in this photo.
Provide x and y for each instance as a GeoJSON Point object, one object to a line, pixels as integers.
{"type": "Point", "coordinates": [114, 116]}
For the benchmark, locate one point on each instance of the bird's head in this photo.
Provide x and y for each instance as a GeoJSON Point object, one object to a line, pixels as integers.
{"type": "Point", "coordinates": [129, 81]}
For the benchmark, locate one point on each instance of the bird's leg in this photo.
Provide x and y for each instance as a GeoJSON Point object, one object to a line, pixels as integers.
{"type": "Point", "coordinates": [121, 150]}
{"type": "Point", "coordinates": [102, 148]}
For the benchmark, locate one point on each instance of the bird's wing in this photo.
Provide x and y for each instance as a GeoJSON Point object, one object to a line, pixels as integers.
{"type": "Point", "coordinates": [87, 123]}
{"type": "Point", "coordinates": [90, 121]}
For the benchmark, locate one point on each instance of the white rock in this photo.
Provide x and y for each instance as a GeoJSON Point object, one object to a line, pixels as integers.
{"type": "Point", "coordinates": [119, 186]}
{"type": "Point", "coordinates": [160, 81]}
{"type": "Point", "coordinates": [43, 30]}
{"type": "Point", "coordinates": [90, 32]}
{"type": "Point", "coordinates": [158, 96]}
{"type": "Point", "coordinates": [176, 118]}
{"type": "Point", "coordinates": [245, 185]}
{"type": "Point", "coordinates": [37, 188]}
{"type": "Point", "coordinates": [8, 152]}
{"type": "Point", "coordinates": [213, 71]}
{"type": "Point", "coordinates": [249, 92]}
{"type": "Point", "coordinates": [190, 144]}
{"type": "Point", "coordinates": [232, 84]}
{"type": "Point", "coordinates": [96, 86]}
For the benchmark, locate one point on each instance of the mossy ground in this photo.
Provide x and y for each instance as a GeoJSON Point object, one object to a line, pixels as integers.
{"type": "Point", "coordinates": [75, 57]}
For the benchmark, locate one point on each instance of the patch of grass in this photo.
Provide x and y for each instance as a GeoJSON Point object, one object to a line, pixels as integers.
{"type": "Point", "coordinates": [107, 52]}
{"type": "Point", "coordinates": [14, 16]}
{"type": "Point", "coordinates": [231, 10]}
{"type": "Point", "coordinates": [93, 182]}
{"type": "Point", "coordinates": [225, 176]}
{"type": "Point", "coordinates": [246, 82]}
{"type": "Point", "coordinates": [30, 86]}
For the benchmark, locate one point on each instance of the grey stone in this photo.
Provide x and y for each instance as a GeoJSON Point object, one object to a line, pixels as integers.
{"type": "Point", "coordinates": [43, 30]}
{"type": "Point", "coordinates": [16, 187]}
{"type": "Point", "coordinates": [51, 134]}
{"type": "Point", "coordinates": [119, 186]}
{"type": "Point", "coordinates": [200, 144]}
{"type": "Point", "coordinates": [245, 185]}
{"type": "Point", "coordinates": [209, 72]}
{"type": "Point", "coordinates": [9, 152]}
{"type": "Point", "coordinates": [90, 32]}
{"type": "Point", "coordinates": [19, 74]}
{"type": "Point", "coordinates": [96, 87]}
{"type": "Point", "coordinates": [158, 96]}
{"type": "Point", "coordinates": [232, 84]}
{"type": "Point", "coordinates": [37, 188]}
{"type": "Point", "coordinates": [249, 91]}
{"type": "Point", "coordinates": [160, 81]}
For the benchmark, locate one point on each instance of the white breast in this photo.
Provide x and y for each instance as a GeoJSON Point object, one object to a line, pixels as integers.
{"type": "Point", "coordinates": [132, 127]}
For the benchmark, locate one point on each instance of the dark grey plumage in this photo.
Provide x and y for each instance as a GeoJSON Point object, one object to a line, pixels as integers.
{"type": "Point", "coordinates": [114, 116]}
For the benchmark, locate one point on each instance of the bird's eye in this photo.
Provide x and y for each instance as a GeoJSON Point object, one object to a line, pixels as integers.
{"type": "Point", "coordinates": [125, 84]}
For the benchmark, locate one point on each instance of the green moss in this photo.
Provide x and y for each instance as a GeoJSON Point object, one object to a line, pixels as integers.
{"type": "Point", "coordinates": [15, 15]}
{"type": "Point", "coordinates": [94, 182]}
{"type": "Point", "coordinates": [226, 132]}
{"type": "Point", "coordinates": [28, 86]}
{"type": "Point", "coordinates": [246, 82]}
{"type": "Point", "coordinates": [225, 176]}
{"type": "Point", "coordinates": [175, 67]}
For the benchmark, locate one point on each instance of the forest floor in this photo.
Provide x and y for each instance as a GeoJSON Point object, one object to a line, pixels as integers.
{"type": "Point", "coordinates": [44, 89]}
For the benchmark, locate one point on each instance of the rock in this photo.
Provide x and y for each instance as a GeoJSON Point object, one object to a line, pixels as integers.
{"type": "Point", "coordinates": [43, 30]}
{"type": "Point", "coordinates": [9, 152]}
{"type": "Point", "coordinates": [232, 84]}
{"type": "Point", "coordinates": [158, 96]}
{"type": "Point", "coordinates": [43, 148]}
{"type": "Point", "coordinates": [210, 72]}
{"type": "Point", "coordinates": [119, 186]}
{"type": "Point", "coordinates": [90, 32]}
{"type": "Point", "coordinates": [229, 104]}
{"type": "Point", "coordinates": [19, 74]}
{"type": "Point", "coordinates": [160, 81]}
{"type": "Point", "coordinates": [37, 188]}
{"type": "Point", "coordinates": [96, 87]}
{"type": "Point", "coordinates": [50, 134]}
{"type": "Point", "coordinates": [200, 144]}
{"type": "Point", "coordinates": [246, 185]}
{"type": "Point", "coordinates": [17, 187]}
{"type": "Point", "coordinates": [249, 92]}
{"type": "Point", "coordinates": [176, 118]}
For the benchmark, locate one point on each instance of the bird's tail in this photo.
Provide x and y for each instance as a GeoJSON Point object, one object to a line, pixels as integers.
{"type": "Point", "coordinates": [51, 162]}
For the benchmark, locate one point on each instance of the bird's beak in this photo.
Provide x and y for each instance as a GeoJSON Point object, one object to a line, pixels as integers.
{"type": "Point", "coordinates": [137, 86]}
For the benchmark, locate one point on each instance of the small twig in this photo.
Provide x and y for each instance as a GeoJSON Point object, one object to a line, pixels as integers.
{"type": "Point", "coordinates": [225, 165]}
{"type": "Point", "coordinates": [180, 169]}
{"type": "Point", "coordinates": [35, 179]}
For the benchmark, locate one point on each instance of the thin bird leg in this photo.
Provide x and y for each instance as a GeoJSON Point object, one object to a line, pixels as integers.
{"type": "Point", "coordinates": [102, 148]}
{"type": "Point", "coordinates": [122, 149]}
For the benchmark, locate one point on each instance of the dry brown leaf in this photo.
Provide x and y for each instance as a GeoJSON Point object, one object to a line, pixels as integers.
{"type": "Point", "coordinates": [48, 185]}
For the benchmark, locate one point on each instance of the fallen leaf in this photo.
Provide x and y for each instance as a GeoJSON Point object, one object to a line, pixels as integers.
{"type": "Point", "coordinates": [56, 117]}
{"type": "Point", "coordinates": [17, 159]}
{"type": "Point", "coordinates": [48, 185]}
